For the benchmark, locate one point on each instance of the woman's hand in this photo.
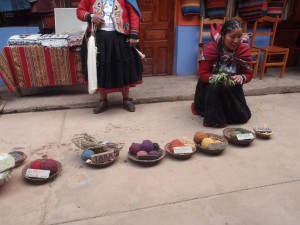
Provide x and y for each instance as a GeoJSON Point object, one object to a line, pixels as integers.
{"type": "Point", "coordinates": [97, 20]}
{"type": "Point", "coordinates": [133, 42]}
{"type": "Point", "coordinates": [237, 78]}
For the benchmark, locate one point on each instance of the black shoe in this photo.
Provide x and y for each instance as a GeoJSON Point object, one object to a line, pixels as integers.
{"type": "Point", "coordinates": [100, 107]}
{"type": "Point", "coordinates": [128, 105]}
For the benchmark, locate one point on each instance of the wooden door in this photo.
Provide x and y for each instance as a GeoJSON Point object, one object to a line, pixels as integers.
{"type": "Point", "coordinates": [157, 36]}
{"type": "Point", "coordinates": [290, 27]}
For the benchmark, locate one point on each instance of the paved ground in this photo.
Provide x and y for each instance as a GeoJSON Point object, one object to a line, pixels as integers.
{"type": "Point", "coordinates": [258, 184]}
{"type": "Point", "coordinates": [154, 89]}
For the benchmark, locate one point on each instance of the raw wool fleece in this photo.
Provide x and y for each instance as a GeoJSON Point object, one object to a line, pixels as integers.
{"type": "Point", "coordinates": [92, 66]}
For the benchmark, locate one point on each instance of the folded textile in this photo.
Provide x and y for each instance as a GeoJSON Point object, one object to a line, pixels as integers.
{"type": "Point", "coordinates": [24, 39]}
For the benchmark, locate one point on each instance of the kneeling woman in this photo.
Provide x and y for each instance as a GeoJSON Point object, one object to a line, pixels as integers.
{"type": "Point", "coordinates": [220, 103]}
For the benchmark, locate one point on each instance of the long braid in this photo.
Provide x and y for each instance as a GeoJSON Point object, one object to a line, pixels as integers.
{"type": "Point", "coordinates": [219, 54]}
{"type": "Point", "coordinates": [228, 26]}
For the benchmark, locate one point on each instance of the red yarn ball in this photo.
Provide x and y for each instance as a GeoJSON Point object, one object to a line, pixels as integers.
{"type": "Point", "coordinates": [36, 164]}
{"type": "Point", "coordinates": [50, 164]}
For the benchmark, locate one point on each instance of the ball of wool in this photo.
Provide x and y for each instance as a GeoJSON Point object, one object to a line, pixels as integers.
{"type": "Point", "coordinates": [142, 153]}
{"type": "Point", "coordinates": [147, 145]}
{"type": "Point", "coordinates": [6, 162]}
{"type": "Point", "coordinates": [156, 146]}
{"type": "Point", "coordinates": [159, 152]}
{"type": "Point", "coordinates": [175, 143]}
{"type": "Point", "coordinates": [234, 133]}
{"type": "Point", "coordinates": [50, 164]}
{"type": "Point", "coordinates": [36, 164]}
{"type": "Point", "coordinates": [206, 141]}
{"type": "Point", "coordinates": [199, 136]}
{"type": "Point", "coordinates": [86, 154]}
{"type": "Point", "coordinates": [243, 131]}
{"type": "Point", "coordinates": [154, 153]}
{"type": "Point", "coordinates": [134, 148]}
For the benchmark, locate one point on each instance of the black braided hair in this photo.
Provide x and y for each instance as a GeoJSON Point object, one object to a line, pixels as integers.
{"type": "Point", "coordinates": [228, 26]}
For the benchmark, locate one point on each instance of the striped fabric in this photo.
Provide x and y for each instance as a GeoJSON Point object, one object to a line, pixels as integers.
{"type": "Point", "coordinates": [252, 9]}
{"type": "Point", "coordinates": [275, 8]}
{"type": "Point", "coordinates": [36, 66]}
{"type": "Point", "coordinates": [190, 7]}
{"type": "Point", "coordinates": [215, 8]}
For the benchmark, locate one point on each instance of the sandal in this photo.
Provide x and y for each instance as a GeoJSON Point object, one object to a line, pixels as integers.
{"type": "Point", "coordinates": [100, 107]}
{"type": "Point", "coordinates": [128, 105]}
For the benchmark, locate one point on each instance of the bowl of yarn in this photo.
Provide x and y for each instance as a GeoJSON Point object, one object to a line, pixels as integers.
{"type": "Point", "coordinates": [263, 132]}
{"type": "Point", "coordinates": [181, 148]}
{"type": "Point", "coordinates": [42, 170]}
{"type": "Point", "coordinates": [100, 158]}
{"type": "Point", "coordinates": [19, 157]}
{"type": "Point", "coordinates": [239, 136]}
{"type": "Point", "coordinates": [7, 164]}
{"type": "Point", "coordinates": [146, 152]}
{"type": "Point", "coordinates": [209, 143]}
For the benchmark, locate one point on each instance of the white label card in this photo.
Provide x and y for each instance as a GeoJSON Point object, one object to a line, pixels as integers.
{"type": "Point", "coordinates": [183, 150]}
{"type": "Point", "coordinates": [37, 173]}
{"type": "Point", "coordinates": [246, 136]}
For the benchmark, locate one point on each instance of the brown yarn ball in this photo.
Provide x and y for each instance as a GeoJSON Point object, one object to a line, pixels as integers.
{"type": "Point", "coordinates": [199, 136]}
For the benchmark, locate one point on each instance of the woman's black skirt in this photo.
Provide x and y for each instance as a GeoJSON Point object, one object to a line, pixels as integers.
{"type": "Point", "coordinates": [118, 65]}
{"type": "Point", "coordinates": [220, 104]}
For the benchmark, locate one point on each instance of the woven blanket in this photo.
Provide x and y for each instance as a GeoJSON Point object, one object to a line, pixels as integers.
{"type": "Point", "coordinates": [215, 8]}
{"type": "Point", "coordinates": [252, 9]}
{"type": "Point", "coordinates": [36, 66]}
{"type": "Point", "coordinates": [190, 7]}
{"type": "Point", "coordinates": [275, 8]}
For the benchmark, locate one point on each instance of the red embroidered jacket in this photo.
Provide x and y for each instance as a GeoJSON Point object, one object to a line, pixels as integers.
{"type": "Point", "coordinates": [125, 18]}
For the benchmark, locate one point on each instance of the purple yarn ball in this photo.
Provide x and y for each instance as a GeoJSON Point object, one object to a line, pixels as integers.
{"type": "Point", "coordinates": [147, 145]}
{"type": "Point", "coordinates": [154, 153]}
{"type": "Point", "coordinates": [134, 148]}
{"type": "Point", "coordinates": [142, 153]}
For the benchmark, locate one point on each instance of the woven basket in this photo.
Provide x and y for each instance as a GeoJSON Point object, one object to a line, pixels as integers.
{"type": "Point", "coordinates": [178, 156]}
{"type": "Point", "coordinates": [212, 152]}
{"type": "Point", "coordinates": [19, 157]}
{"type": "Point", "coordinates": [104, 164]}
{"type": "Point", "coordinates": [41, 180]}
{"type": "Point", "coordinates": [263, 135]}
{"type": "Point", "coordinates": [227, 132]}
{"type": "Point", "coordinates": [86, 141]}
{"type": "Point", "coordinates": [147, 162]}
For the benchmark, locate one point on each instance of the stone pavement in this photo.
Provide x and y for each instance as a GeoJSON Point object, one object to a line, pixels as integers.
{"type": "Point", "coordinates": [254, 185]}
{"type": "Point", "coordinates": [154, 89]}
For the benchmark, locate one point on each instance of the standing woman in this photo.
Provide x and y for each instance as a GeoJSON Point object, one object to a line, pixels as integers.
{"type": "Point", "coordinates": [219, 103]}
{"type": "Point", "coordinates": [119, 67]}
